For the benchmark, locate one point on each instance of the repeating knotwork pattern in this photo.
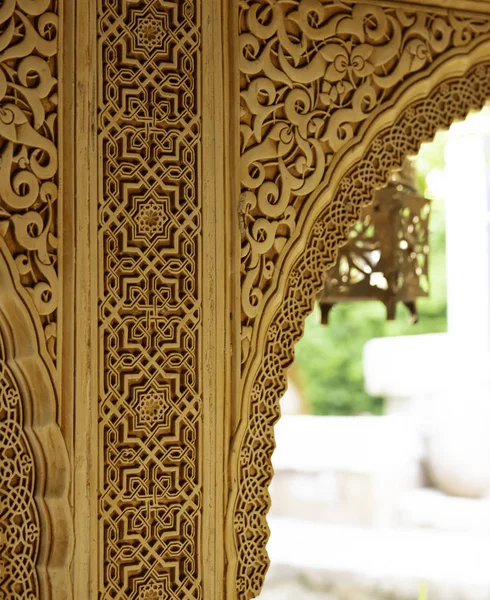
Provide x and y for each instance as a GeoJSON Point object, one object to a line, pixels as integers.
{"type": "Point", "coordinates": [313, 72]}
{"type": "Point", "coordinates": [449, 102]}
{"type": "Point", "coordinates": [28, 150]}
{"type": "Point", "coordinates": [150, 300]}
{"type": "Point", "coordinates": [19, 518]}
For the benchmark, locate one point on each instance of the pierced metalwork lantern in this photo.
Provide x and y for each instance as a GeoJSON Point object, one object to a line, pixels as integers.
{"type": "Point", "coordinates": [386, 257]}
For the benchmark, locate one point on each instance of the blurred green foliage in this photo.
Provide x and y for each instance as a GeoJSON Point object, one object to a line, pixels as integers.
{"type": "Point", "coordinates": [328, 368]}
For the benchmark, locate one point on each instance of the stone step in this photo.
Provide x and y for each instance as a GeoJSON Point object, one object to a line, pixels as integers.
{"type": "Point", "coordinates": [344, 469]}
{"type": "Point", "coordinates": [429, 508]}
{"type": "Point", "coordinates": [313, 561]}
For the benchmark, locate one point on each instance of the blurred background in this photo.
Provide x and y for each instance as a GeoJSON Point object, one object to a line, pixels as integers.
{"type": "Point", "coordinates": [382, 468]}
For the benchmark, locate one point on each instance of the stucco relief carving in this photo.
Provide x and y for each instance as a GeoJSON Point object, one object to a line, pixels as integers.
{"type": "Point", "coordinates": [149, 228]}
{"type": "Point", "coordinates": [313, 73]}
{"type": "Point", "coordinates": [28, 153]}
{"type": "Point", "coordinates": [19, 516]}
{"type": "Point", "coordinates": [316, 78]}
{"type": "Point", "coordinates": [36, 535]}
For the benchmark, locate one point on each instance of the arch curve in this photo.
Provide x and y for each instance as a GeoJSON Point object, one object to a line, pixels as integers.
{"type": "Point", "coordinates": [36, 538]}
{"type": "Point", "coordinates": [435, 98]}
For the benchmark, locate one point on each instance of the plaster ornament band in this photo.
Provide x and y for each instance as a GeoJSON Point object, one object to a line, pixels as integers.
{"type": "Point", "coordinates": [20, 525]}
{"type": "Point", "coordinates": [314, 149]}
{"type": "Point", "coordinates": [36, 530]}
{"type": "Point", "coordinates": [36, 533]}
{"type": "Point", "coordinates": [149, 273]}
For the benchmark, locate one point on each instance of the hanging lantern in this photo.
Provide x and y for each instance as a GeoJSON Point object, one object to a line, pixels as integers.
{"type": "Point", "coordinates": [386, 257]}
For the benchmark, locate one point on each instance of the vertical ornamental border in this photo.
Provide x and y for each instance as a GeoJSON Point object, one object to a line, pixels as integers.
{"type": "Point", "coordinates": [36, 529]}
{"type": "Point", "coordinates": [29, 98]}
{"type": "Point", "coordinates": [334, 97]}
{"type": "Point", "coordinates": [149, 289]}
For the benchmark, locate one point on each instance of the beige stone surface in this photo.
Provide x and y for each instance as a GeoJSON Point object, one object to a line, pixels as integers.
{"type": "Point", "coordinates": [175, 179]}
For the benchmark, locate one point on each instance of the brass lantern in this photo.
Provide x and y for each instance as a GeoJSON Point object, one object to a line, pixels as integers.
{"type": "Point", "coordinates": [386, 257]}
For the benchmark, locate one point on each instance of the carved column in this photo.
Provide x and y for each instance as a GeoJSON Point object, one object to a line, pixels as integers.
{"type": "Point", "coordinates": [154, 298]}
{"type": "Point", "coordinates": [36, 529]}
{"type": "Point", "coordinates": [115, 294]}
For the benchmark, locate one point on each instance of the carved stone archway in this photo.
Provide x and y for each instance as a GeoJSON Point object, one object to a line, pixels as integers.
{"type": "Point", "coordinates": [159, 346]}
{"type": "Point", "coordinates": [334, 96]}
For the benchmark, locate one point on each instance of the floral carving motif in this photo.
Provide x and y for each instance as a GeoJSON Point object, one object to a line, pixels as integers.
{"type": "Point", "coordinates": [152, 406]}
{"type": "Point", "coordinates": [150, 32]}
{"type": "Point", "coordinates": [28, 152]}
{"type": "Point", "coordinates": [303, 107]}
{"type": "Point", "coordinates": [313, 72]}
{"type": "Point", "coordinates": [150, 219]}
{"type": "Point", "coordinates": [152, 591]}
{"type": "Point", "coordinates": [449, 102]}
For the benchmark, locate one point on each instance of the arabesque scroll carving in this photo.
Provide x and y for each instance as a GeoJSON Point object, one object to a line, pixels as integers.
{"type": "Point", "coordinates": [149, 272]}
{"type": "Point", "coordinates": [28, 150]}
{"type": "Point", "coordinates": [35, 517]}
{"type": "Point", "coordinates": [316, 79]}
{"type": "Point", "coordinates": [313, 74]}
{"type": "Point", "coordinates": [451, 101]}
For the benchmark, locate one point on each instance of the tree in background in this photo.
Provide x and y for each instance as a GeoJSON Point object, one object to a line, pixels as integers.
{"type": "Point", "coordinates": [328, 368]}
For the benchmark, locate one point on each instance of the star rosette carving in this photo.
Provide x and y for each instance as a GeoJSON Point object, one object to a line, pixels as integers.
{"type": "Point", "coordinates": [150, 298]}
{"type": "Point", "coordinates": [150, 218]}
{"type": "Point", "coordinates": [152, 406]}
{"type": "Point", "coordinates": [151, 32]}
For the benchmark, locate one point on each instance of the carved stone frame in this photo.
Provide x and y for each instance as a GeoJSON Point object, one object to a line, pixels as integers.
{"type": "Point", "coordinates": [109, 86]}
{"type": "Point", "coordinates": [442, 92]}
{"type": "Point", "coordinates": [41, 497]}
